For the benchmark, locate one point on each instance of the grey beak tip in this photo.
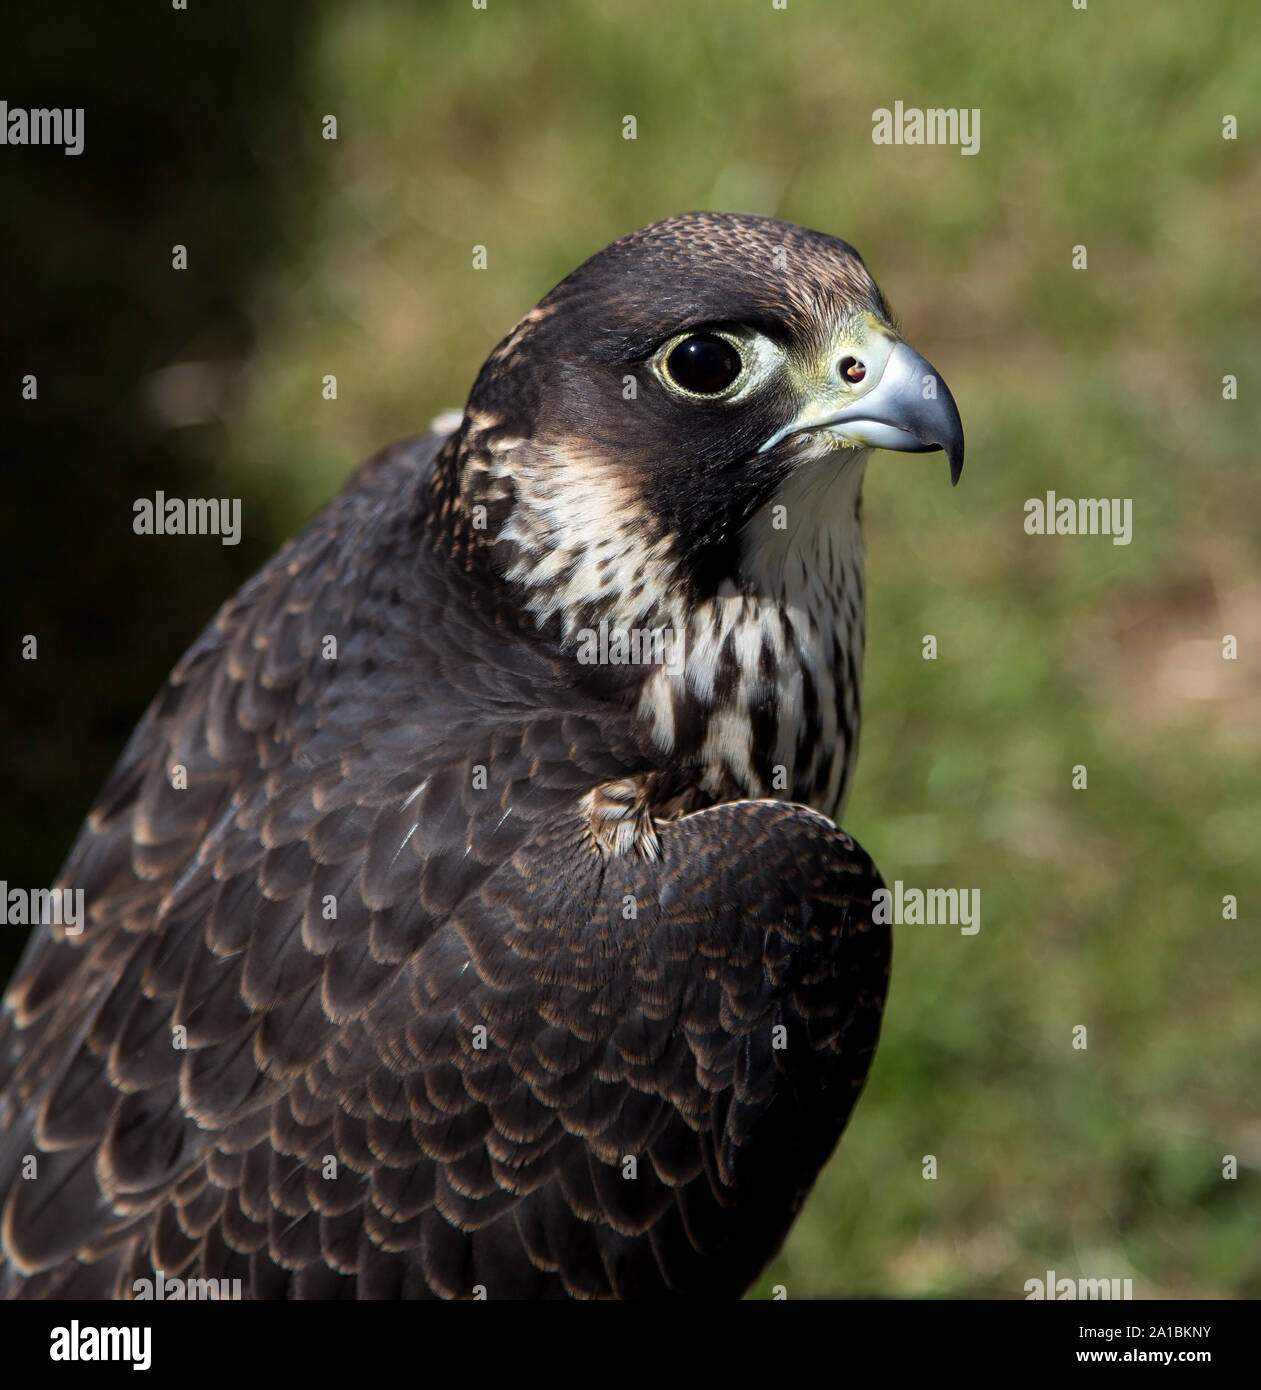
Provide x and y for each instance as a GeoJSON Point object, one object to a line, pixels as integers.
{"type": "Point", "coordinates": [936, 420]}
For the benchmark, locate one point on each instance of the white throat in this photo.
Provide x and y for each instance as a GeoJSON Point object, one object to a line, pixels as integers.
{"type": "Point", "coordinates": [797, 614]}
{"type": "Point", "coordinates": [761, 686]}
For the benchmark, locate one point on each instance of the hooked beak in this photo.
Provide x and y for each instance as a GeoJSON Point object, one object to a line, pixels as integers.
{"type": "Point", "coordinates": [900, 403]}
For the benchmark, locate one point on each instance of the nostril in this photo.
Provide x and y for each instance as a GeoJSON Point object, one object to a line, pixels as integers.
{"type": "Point", "coordinates": [852, 369]}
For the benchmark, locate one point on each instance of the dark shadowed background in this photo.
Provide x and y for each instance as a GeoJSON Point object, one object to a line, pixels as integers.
{"type": "Point", "coordinates": [307, 257]}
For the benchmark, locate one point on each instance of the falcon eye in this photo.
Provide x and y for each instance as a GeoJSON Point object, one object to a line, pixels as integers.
{"type": "Point", "coordinates": [704, 364]}
{"type": "Point", "coordinates": [852, 369]}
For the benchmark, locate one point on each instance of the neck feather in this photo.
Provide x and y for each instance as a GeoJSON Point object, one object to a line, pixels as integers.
{"type": "Point", "coordinates": [757, 684]}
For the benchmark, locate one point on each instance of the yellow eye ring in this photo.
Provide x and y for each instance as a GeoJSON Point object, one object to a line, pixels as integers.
{"type": "Point", "coordinates": [704, 365]}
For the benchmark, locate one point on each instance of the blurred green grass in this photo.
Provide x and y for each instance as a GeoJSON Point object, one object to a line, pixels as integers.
{"type": "Point", "coordinates": [1101, 907]}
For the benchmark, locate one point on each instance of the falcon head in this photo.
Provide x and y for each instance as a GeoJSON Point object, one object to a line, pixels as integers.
{"type": "Point", "coordinates": [672, 444]}
{"type": "Point", "coordinates": [679, 384]}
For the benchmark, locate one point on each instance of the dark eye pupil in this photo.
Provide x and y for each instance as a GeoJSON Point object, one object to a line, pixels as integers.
{"type": "Point", "coordinates": [704, 364]}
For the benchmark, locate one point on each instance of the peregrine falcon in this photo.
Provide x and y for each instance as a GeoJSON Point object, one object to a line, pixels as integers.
{"type": "Point", "coordinates": [466, 917]}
